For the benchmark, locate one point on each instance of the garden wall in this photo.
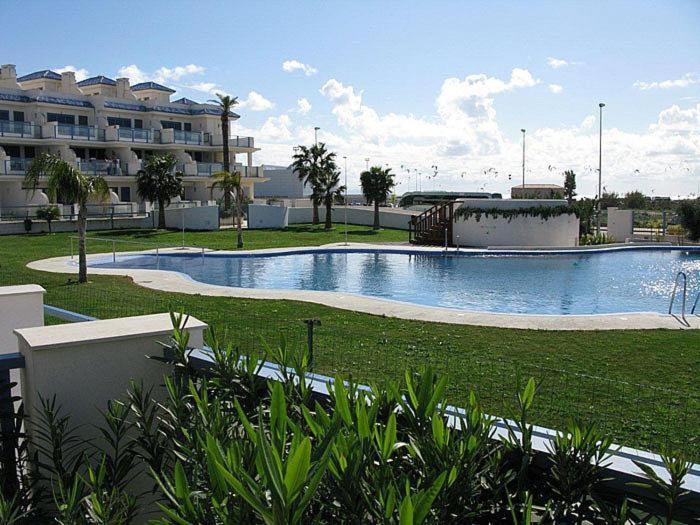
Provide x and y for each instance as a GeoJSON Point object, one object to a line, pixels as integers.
{"type": "Point", "coordinates": [522, 230]}
{"type": "Point", "coordinates": [117, 223]}
{"type": "Point", "coordinates": [360, 215]}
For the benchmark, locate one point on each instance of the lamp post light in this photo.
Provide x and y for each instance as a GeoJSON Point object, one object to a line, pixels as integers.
{"type": "Point", "coordinates": [346, 199]}
{"type": "Point", "coordinates": [523, 132]}
{"type": "Point", "coordinates": [316, 128]}
{"type": "Point", "coordinates": [600, 164]}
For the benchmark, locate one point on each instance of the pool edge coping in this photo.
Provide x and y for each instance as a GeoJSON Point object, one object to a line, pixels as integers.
{"type": "Point", "coordinates": [171, 281]}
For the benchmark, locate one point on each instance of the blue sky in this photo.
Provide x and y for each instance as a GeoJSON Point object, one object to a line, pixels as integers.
{"type": "Point", "coordinates": [414, 83]}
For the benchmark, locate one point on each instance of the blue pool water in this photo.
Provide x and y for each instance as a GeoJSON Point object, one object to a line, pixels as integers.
{"type": "Point", "coordinates": [638, 280]}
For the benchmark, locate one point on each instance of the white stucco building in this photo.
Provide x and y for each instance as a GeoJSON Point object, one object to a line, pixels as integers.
{"type": "Point", "coordinates": [107, 126]}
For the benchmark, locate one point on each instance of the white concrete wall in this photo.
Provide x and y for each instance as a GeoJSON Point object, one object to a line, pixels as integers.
{"type": "Point", "coordinates": [21, 306]}
{"type": "Point", "coordinates": [195, 218]}
{"type": "Point", "coordinates": [264, 216]}
{"type": "Point", "coordinates": [561, 230]}
{"type": "Point", "coordinates": [361, 215]}
{"type": "Point", "coordinates": [620, 224]}
{"type": "Point", "coordinates": [283, 182]}
{"type": "Point", "coordinates": [119, 223]}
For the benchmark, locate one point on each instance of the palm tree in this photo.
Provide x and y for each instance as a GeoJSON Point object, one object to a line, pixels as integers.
{"type": "Point", "coordinates": [159, 182]}
{"type": "Point", "coordinates": [376, 187]}
{"type": "Point", "coordinates": [328, 190]}
{"type": "Point", "coordinates": [309, 163]}
{"type": "Point", "coordinates": [74, 187]}
{"type": "Point", "coordinates": [226, 104]}
{"type": "Point", "coordinates": [228, 183]}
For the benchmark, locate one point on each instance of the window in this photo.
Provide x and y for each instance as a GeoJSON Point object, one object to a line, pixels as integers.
{"type": "Point", "coordinates": [188, 126]}
{"type": "Point", "coordinates": [4, 114]}
{"type": "Point", "coordinates": [118, 121]}
{"type": "Point", "coordinates": [60, 118]}
{"type": "Point", "coordinates": [29, 152]}
{"type": "Point", "coordinates": [18, 116]}
{"type": "Point", "coordinates": [82, 120]}
{"type": "Point", "coordinates": [169, 124]}
{"type": "Point", "coordinates": [12, 151]}
{"type": "Point", "coordinates": [138, 123]}
{"type": "Point", "coordinates": [125, 194]}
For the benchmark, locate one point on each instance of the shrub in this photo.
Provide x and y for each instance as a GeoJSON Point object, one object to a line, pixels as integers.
{"type": "Point", "coordinates": [231, 447]}
{"type": "Point", "coordinates": [689, 215]}
{"type": "Point", "coordinates": [48, 214]}
{"type": "Point", "coordinates": [595, 239]}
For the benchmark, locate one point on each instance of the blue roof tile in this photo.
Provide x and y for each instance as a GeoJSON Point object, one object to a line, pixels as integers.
{"type": "Point", "coordinates": [151, 85]}
{"type": "Point", "coordinates": [101, 79]}
{"type": "Point", "coordinates": [44, 73]}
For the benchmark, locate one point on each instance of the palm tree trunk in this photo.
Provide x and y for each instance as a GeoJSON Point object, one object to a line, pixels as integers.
{"type": "Point", "coordinates": [329, 207]}
{"type": "Point", "coordinates": [82, 257]}
{"type": "Point", "coordinates": [376, 215]}
{"type": "Point", "coordinates": [224, 130]}
{"type": "Point", "coordinates": [161, 214]}
{"type": "Point", "coordinates": [314, 218]}
{"type": "Point", "coordinates": [227, 200]}
{"type": "Point", "coordinates": [239, 218]}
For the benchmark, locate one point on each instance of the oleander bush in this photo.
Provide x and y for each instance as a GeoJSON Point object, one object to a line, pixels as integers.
{"type": "Point", "coordinates": [595, 239]}
{"type": "Point", "coordinates": [228, 446]}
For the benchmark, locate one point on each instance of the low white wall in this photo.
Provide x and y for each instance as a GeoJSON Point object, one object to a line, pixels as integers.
{"type": "Point", "coordinates": [361, 215]}
{"type": "Point", "coordinates": [560, 231]}
{"type": "Point", "coordinates": [195, 218]}
{"type": "Point", "coordinates": [21, 306]}
{"type": "Point", "coordinates": [87, 364]}
{"type": "Point", "coordinates": [118, 223]}
{"type": "Point", "coordinates": [620, 224]}
{"type": "Point", "coordinates": [264, 216]}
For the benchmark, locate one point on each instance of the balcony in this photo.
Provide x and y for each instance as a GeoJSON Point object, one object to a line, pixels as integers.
{"type": "Point", "coordinates": [187, 137]}
{"type": "Point", "coordinates": [16, 166]}
{"type": "Point", "coordinates": [207, 169]}
{"type": "Point", "coordinates": [70, 131]}
{"type": "Point", "coordinates": [144, 136]}
{"type": "Point", "coordinates": [11, 128]}
{"type": "Point", "coordinates": [100, 167]}
{"type": "Point", "coordinates": [241, 142]}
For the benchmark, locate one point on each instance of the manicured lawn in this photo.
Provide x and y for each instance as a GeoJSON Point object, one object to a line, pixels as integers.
{"type": "Point", "coordinates": [640, 385]}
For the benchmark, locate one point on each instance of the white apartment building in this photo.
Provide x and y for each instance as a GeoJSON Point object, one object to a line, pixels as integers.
{"type": "Point", "coordinates": [107, 126]}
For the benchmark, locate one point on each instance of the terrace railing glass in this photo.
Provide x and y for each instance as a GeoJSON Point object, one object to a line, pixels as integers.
{"type": "Point", "coordinates": [11, 128]}
{"type": "Point", "coordinates": [73, 132]}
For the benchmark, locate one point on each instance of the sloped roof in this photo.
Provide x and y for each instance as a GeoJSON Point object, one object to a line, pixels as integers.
{"type": "Point", "coordinates": [151, 85]}
{"type": "Point", "coordinates": [101, 79]}
{"type": "Point", "coordinates": [185, 100]}
{"type": "Point", "coordinates": [44, 73]}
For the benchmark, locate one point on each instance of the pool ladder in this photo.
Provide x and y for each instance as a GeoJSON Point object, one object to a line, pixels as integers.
{"type": "Point", "coordinates": [680, 275]}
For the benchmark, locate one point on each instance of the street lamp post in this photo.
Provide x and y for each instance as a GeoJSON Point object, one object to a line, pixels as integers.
{"type": "Point", "coordinates": [316, 128]}
{"type": "Point", "coordinates": [600, 165]}
{"type": "Point", "coordinates": [367, 164]}
{"type": "Point", "coordinates": [346, 199]}
{"type": "Point", "coordinates": [523, 132]}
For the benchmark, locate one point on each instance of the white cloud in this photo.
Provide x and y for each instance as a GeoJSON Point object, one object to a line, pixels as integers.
{"type": "Point", "coordinates": [463, 136]}
{"type": "Point", "coordinates": [290, 66]}
{"type": "Point", "coordinates": [556, 63]}
{"type": "Point", "coordinates": [80, 73]}
{"type": "Point", "coordinates": [211, 88]}
{"type": "Point", "coordinates": [555, 88]}
{"type": "Point", "coordinates": [686, 80]}
{"type": "Point", "coordinates": [303, 106]}
{"type": "Point", "coordinates": [256, 102]}
{"type": "Point", "coordinates": [133, 73]}
{"type": "Point", "coordinates": [162, 75]}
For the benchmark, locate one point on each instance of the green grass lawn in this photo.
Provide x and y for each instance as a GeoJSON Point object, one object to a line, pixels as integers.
{"type": "Point", "coordinates": [641, 386]}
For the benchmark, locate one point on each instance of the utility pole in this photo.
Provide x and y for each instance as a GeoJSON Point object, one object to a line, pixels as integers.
{"type": "Point", "coordinates": [600, 165]}
{"type": "Point", "coordinates": [346, 199]}
{"type": "Point", "coordinates": [316, 128]}
{"type": "Point", "coordinates": [523, 131]}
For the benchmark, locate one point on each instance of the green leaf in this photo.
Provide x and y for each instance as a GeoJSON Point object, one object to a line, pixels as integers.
{"type": "Point", "coordinates": [406, 511]}
{"type": "Point", "coordinates": [297, 468]}
{"type": "Point", "coordinates": [424, 500]}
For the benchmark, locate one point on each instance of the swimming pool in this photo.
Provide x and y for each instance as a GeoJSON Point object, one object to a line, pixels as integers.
{"type": "Point", "coordinates": [634, 280]}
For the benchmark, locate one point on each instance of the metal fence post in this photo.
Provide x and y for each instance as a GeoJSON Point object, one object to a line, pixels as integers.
{"type": "Point", "coordinates": [310, 323]}
{"type": "Point", "coordinates": [114, 251]}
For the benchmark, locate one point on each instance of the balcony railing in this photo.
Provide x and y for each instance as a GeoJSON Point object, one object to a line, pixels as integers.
{"type": "Point", "coordinates": [16, 166]}
{"type": "Point", "coordinates": [100, 167]}
{"type": "Point", "coordinates": [207, 169]}
{"type": "Point", "coordinates": [187, 137]}
{"type": "Point", "coordinates": [135, 135]}
{"type": "Point", "coordinates": [11, 128]}
{"type": "Point", "coordinates": [242, 142]}
{"type": "Point", "coordinates": [250, 171]}
{"type": "Point", "coordinates": [70, 131]}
